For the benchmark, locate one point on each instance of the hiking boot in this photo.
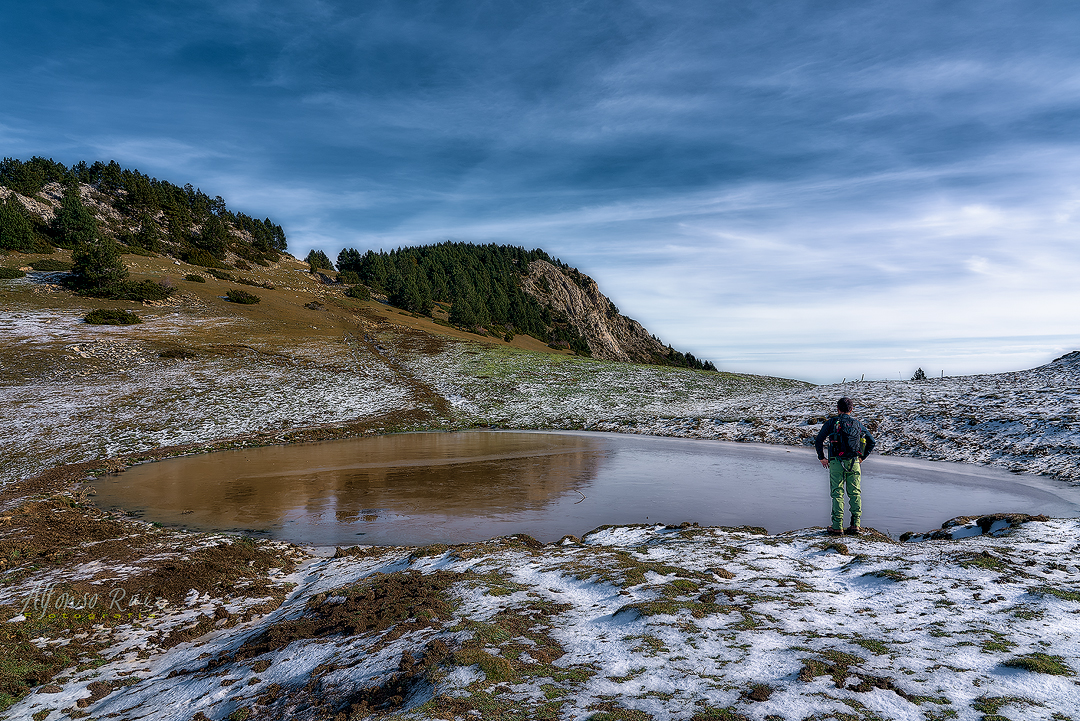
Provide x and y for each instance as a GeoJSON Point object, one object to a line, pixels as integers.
{"type": "Point", "coordinates": [853, 530]}
{"type": "Point", "coordinates": [835, 532]}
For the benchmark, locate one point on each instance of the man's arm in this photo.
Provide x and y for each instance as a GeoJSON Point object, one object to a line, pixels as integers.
{"type": "Point", "coordinates": [820, 438]}
{"type": "Point", "coordinates": [870, 443]}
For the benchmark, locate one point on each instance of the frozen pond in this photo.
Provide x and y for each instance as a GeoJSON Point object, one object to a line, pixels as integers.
{"type": "Point", "coordinates": [421, 488]}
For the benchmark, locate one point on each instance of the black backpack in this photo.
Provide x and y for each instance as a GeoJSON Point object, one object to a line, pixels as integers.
{"type": "Point", "coordinates": [845, 437]}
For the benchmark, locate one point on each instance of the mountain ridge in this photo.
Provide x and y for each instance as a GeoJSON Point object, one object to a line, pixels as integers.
{"type": "Point", "coordinates": [610, 335]}
{"type": "Point", "coordinates": [492, 289]}
{"type": "Point", "coordinates": [505, 290]}
{"type": "Point", "coordinates": [44, 204]}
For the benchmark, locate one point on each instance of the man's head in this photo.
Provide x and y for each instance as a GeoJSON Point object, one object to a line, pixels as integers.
{"type": "Point", "coordinates": [845, 404]}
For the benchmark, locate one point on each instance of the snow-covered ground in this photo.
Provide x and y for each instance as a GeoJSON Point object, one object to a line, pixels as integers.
{"type": "Point", "coordinates": [1027, 421]}
{"type": "Point", "coordinates": [642, 622]}
{"type": "Point", "coordinates": [631, 623]}
{"type": "Point", "coordinates": [105, 392]}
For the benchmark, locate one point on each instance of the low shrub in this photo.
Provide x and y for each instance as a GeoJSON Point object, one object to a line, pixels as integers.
{"type": "Point", "coordinates": [111, 316]}
{"type": "Point", "coordinates": [257, 284]}
{"type": "Point", "coordinates": [194, 278]}
{"type": "Point", "coordinates": [348, 277]}
{"type": "Point", "coordinates": [98, 272]}
{"type": "Point", "coordinates": [198, 256]}
{"type": "Point", "coordinates": [360, 292]}
{"type": "Point", "coordinates": [146, 290]}
{"type": "Point", "coordinates": [242, 296]}
{"type": "Point", "coordinates": [6, 272]}
{"type": "Point", "coordinates": [50, 264]}
{"type": "Point", "coordinates": [180, 353]}
{"type": "Point", "coordinates": [139, 291]}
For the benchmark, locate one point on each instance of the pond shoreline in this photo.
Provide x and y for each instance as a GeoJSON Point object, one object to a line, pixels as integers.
{"type": "Point", "coordinates": [467, 486]}
{"type": "Point", "coordinates": [189, 594]}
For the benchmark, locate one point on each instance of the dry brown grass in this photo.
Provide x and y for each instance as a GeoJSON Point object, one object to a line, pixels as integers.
{"type": "Point", "coordinates": [283, 319]}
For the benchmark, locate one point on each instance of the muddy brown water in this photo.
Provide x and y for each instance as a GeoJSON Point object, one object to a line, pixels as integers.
{"type": "Point", "coordinates": [420, 488]}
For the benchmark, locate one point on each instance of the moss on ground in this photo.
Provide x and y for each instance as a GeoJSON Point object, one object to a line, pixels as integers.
{"type": "Point", "coordinates": [1064, 594]}
{"type": "Point", "coordinates": [623, 568]}
{"type": "Point", "coordinates": [990, 705]}
{"type": "Point", "coordinates": [402, 601]}
{"type": "Point", "coordinates": [1039, 662]}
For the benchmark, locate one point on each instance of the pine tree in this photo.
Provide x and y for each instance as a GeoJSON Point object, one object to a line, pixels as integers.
{"type": "Point", "coordinates": [212, 237]}
{"type": "Point", "coordinates": [74, 223]}
{"type": "Point", "coordinates": [349, 259]}
{"type": "Point", "coordinates": [462, 313]}
{"type": "Point", "coordinates": [16, 232]}
{"type": "Point", "coordinates": [98, 269]}
{"type": "Point", "coordinates": [317, 260]}
{"type": "Point", "coordinates": [148, 237]}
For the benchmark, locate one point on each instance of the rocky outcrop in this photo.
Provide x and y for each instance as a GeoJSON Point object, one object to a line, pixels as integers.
{"type": "Point", "coordinates": [610, 335]}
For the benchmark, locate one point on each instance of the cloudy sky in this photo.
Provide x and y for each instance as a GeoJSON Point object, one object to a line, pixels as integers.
{"type": "Point", "coordinates": [810, 189]}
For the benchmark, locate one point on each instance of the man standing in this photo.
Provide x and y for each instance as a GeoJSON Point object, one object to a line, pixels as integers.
{"type": "Point", "coordinates": [849, 445]}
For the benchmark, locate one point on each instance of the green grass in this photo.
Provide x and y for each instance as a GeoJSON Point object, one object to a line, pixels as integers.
{"type": "Point", "coordinates": [1028, 614]}
{"type": "Point", "coordinates": [1063, 594]}
{"type": "Point", "coordinates": [986, 561]}
{"type": "Point", "coordinates": [998, 643]}
{"type": "Point", "coordinates": [990, 705]}
{"type": "Point", "coordinates": [23, 665]}
{"type": "Point", "coordinates": [496, 668]}
{"type": "Point", "coordinates": [710, 713]}
{"type": "Point", "coordinates": [1039, 662]}
{"type": "Point", "coordinates": [873, 645]}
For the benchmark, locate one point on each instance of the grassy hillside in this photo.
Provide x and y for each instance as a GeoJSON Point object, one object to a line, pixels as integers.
{"type": "Point", "coordinates": [46, 204]}
{"type": "Point", "coordinates": [200, 368]}
{"type": "Point", "coordinates": [100, 211]}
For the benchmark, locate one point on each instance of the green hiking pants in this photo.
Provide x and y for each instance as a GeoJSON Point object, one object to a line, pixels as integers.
{"type": "Point", "coordinates": [845, 475]}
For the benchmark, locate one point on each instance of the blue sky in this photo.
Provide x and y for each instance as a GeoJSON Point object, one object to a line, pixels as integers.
{"type": "Point", "coordinates": [809, 189]}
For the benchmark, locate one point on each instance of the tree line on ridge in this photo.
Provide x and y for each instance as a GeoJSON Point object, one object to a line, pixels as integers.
{"type": "Point", "coordinates": [481, 285]}
{"type": "Point", "coordinates": [154, 216]}
{"type": "Point", "coordinates": [478, 285]}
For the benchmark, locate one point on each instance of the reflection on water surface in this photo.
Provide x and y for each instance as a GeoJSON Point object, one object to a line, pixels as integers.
{"type": "Point", "coordinates": [364, 490]}
{"type": "Point", "coordinates": [419, 488]}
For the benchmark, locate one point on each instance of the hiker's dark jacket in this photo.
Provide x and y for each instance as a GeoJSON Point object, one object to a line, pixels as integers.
{"type": "Point", "coordinates": [851, 444]}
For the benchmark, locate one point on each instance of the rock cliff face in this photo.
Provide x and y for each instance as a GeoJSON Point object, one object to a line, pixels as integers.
{"type": "Point", "coordinates": [610, 335]}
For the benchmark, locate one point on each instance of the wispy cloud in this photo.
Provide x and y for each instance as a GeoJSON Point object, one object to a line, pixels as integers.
{"type": "Point", "coordinates": [725, 170]}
